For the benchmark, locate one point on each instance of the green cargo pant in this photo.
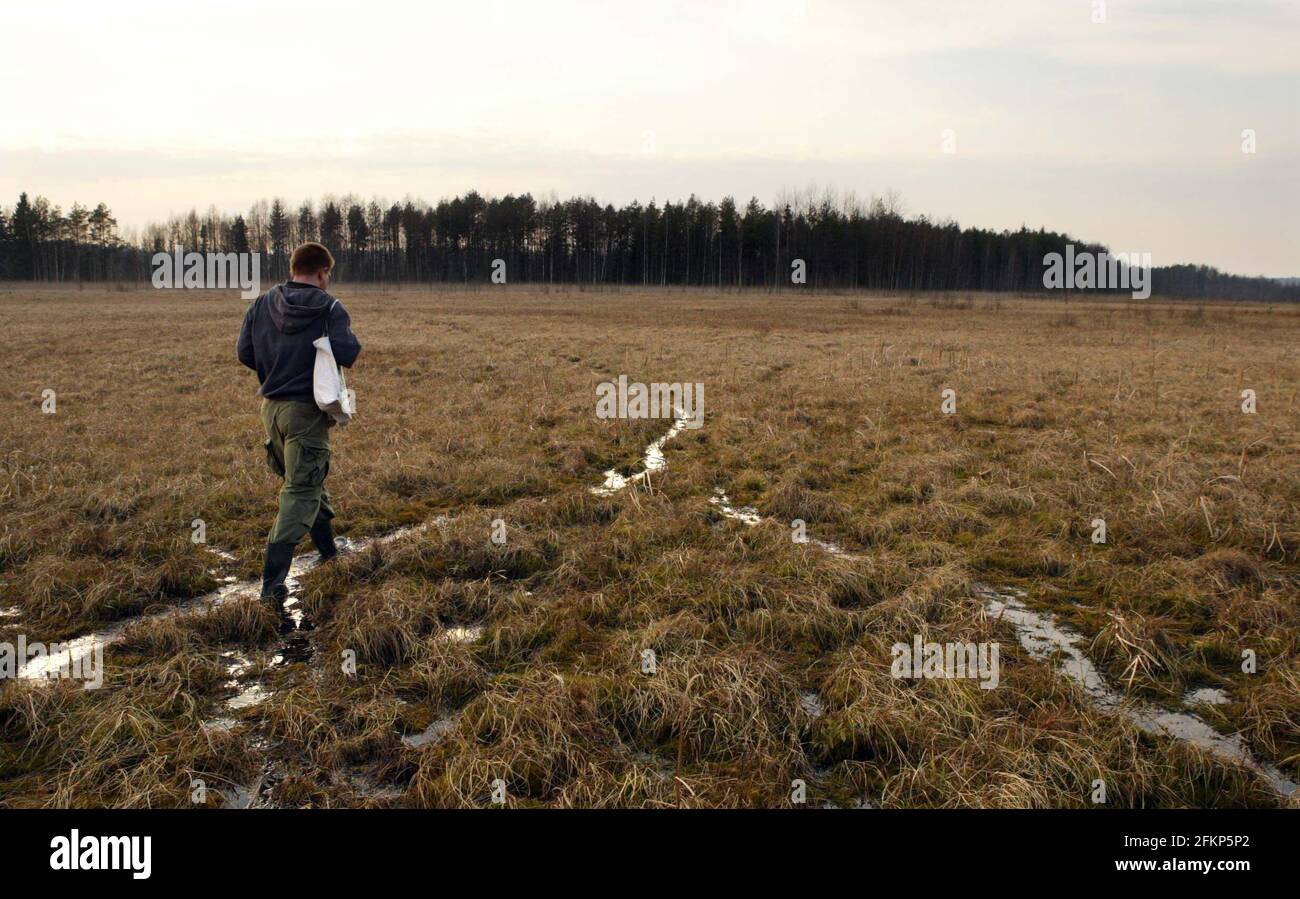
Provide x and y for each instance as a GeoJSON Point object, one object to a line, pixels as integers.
{"type": "Point", "coordinates": [298, 450]}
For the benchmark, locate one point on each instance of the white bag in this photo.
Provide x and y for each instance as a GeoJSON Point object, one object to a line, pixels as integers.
{"type": "Point", "coordinates": [328, 384]}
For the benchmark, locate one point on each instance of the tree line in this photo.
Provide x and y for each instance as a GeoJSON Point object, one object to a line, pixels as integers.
{"type": "Point", "coordinates": [38, 242]}
{"type": "Point", "coordinates": [835, 242]}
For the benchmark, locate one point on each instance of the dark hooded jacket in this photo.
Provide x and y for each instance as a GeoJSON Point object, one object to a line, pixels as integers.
{"type": "Point", "coordinates": [276, 340]}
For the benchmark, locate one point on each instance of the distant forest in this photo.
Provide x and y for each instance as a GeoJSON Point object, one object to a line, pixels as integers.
{"type": "Point", "coordinates": [843, 242]}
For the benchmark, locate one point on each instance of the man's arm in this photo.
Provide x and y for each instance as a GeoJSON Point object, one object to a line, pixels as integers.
{"type": "Point", "coordinates": [343, 342]}
{"type": "Point", "coordinates": [245, 346]}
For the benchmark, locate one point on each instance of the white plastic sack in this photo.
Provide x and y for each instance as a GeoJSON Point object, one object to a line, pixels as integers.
{"type": "Point", "coordinates": [329, 386]}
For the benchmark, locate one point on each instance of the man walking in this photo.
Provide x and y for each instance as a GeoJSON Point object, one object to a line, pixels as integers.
{"type": "Point", "coordinates": [276, 342]}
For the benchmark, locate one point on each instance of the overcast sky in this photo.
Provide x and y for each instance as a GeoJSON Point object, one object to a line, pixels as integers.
{"type": "Point", "coordinates": [1127, 132]}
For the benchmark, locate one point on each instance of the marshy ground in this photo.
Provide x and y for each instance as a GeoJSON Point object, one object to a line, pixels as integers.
{"type": "Point", "coordinates": [521, 662]}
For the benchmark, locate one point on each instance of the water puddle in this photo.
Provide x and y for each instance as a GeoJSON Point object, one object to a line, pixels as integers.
{"type": "Point", "coordinates": [1043, 637]}
{"type": "Point", "coordinates": [237, 665]}
{"type": "Point", "coordinates": [432, 734]}
{"type": "Point", "coordinates": [247, 695]}
{"type": "Point", "coordinates": [750, 516]}
{"type": "Point", "coordinates": [832, 548]}
{"type": "Point", "coordinates": [1206, 696]}
{"type": "Point", "coordinates": [652, 460]}
{"type": "Point", "coordinates": [468, 633]}
{"type": "Point", "coordinates": [744, 514]}
{"type": "Point", "coordinates": [299, 567]}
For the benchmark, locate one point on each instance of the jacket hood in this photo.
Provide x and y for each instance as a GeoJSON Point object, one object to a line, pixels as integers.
{"type": "Point", "coordinates": [294, 308]}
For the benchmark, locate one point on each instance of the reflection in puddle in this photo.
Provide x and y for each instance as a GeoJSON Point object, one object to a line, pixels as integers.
{"type": "Point", "coordinates": [745, 514]}
{"type": "Point", "coordinates": [237, 665]}
{"type": "Point", "coordinates": [71, 653]}
{"type": "Point", "coordinates": [1041, 635]}
{"type": "Point", "coordinates": [247, 695]}
{"type": "Point", "coordinates": [431, 734]}
{"type": "Point", "coordinates": [463, 634]}
{"type": "Point", "coordinates": [832, 548]}
{"type": "Point", "coordinates": [1206, 696]}
{"type": "Point", "coordinates": [652, 460]}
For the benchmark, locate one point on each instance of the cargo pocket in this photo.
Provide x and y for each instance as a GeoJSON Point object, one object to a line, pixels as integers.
{"type": "Point", "coordinates": [313, 462]}
{"type": "Point", "coordinates": [273, 460]}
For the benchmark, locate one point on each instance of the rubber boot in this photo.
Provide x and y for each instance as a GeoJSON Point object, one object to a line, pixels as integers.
{"type": "Point", "coordinates": [279, 556]}
{"type": "Point", "coordinates": [322, 536]}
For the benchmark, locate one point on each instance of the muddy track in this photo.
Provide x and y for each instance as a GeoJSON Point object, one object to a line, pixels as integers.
{"type": "Point", "coordinates": [294, 646]}
{"type": "Point", "coordinates": [1044, 638]}
{"type": "Point", "coordinates": [78, 648]}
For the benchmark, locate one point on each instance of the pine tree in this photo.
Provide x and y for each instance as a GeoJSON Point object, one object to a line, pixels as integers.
{"type": "Point", "coordinates": [306, 223]}
{"type": "Point", "coordinates": [331, 227]}
{"type": "Point", "coordinates": [239, 235]}
{"type": "Point", "coordinates": [279, 228]}
{"type": "Point", "coordinates": [26, 230]}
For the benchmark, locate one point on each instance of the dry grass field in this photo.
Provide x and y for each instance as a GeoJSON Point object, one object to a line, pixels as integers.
{"type": "Point", "coordinates": [522, 662]}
